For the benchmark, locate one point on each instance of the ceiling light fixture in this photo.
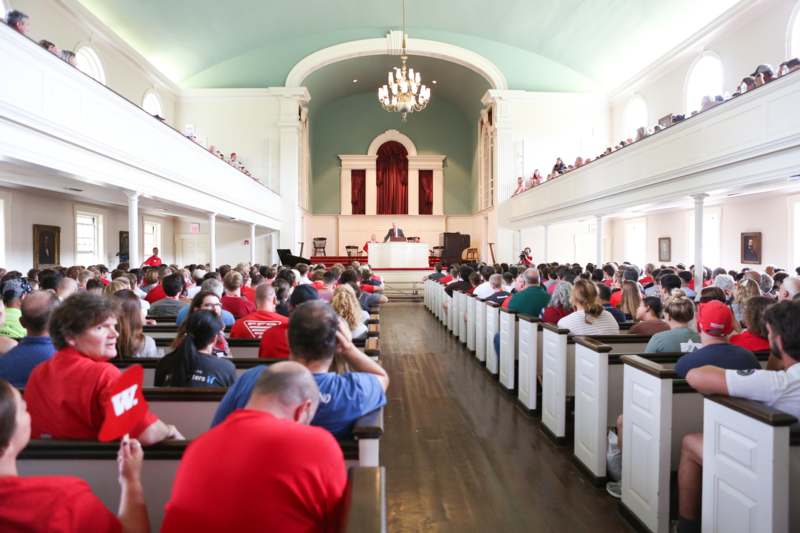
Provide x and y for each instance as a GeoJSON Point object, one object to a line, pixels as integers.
{"type": "Point", "coordinates": [404, 93]}
{"type": "Point", "coordinates": [355, 81]}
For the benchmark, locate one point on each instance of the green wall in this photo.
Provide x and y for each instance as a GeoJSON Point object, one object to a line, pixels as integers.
{"type": "Point", "coordinates": [348, 126]}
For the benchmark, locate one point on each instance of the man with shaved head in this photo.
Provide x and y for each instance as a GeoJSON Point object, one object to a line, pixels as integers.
{"type": "Point", "coordinates": [36, 347]}
{"type": "Point", "coordinates": [263, 454]}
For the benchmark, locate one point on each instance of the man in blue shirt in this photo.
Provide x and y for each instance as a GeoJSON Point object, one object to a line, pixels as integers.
{"type": "Point", "coordinates": [315, 334]}
{"type": "Point", "coordinates": [36, 347]}
{"type": "Point", "coordinates": [715, 323]}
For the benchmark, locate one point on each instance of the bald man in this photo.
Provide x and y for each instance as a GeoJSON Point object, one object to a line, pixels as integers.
{"type": "Point", "coordinates": [36, 347]}
{"type": "Point", "coordinates": [265, 452]}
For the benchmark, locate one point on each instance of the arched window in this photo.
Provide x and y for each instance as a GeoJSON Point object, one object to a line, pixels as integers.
{"type": "Point", "coordinates": [705, 79]}
{"type": "Point", "coordinates": [152, 103]}
{"type": "Point", "coordinates": [89, 63]}
{"type": "Point", "coordinates": [635, 116]}
{"type": "Point", "coordinates": [794, 33]}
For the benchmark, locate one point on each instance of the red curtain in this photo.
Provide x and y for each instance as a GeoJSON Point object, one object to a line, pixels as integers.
{"type": "Point", "coordinates": [426, 192]}
{"type": "Point", "coordinates": [358, 193]}
{"type": "Point", "coordinates": [392, 179]}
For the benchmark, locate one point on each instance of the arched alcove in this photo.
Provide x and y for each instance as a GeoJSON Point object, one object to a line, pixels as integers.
{"type": "Point", "coordinates": [391, 179]}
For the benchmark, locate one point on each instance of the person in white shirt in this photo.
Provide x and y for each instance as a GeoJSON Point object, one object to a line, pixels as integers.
{"type": "Point", "coordinates": [589, 317]}
{"type": "Point", "coordinates": [302, 271]}
{"type": "Point", "coordinates": [777, 387]}
{"type": "Point", "coordinates": [485, 289]}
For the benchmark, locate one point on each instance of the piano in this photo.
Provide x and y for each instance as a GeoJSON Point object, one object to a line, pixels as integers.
{"type": "Point", "coordinates": [454, 245]}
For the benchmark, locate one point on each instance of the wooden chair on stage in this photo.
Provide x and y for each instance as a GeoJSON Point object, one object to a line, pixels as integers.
{"type": "Point", "coordinates": [352, 251]}
{"type": "Point", "coordinates": [471, 254]}
{"type": "Point", "coordinates": [319, 245]}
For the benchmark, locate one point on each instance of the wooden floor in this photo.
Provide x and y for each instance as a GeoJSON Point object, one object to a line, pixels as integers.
{"type": "Point", "coordinates": [460, 456]}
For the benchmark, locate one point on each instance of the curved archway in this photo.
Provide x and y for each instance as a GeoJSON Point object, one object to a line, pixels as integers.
{"type": "Point", "coordinates": [392, 135]}
{"type": "Point", "coordinates": [390, 45]}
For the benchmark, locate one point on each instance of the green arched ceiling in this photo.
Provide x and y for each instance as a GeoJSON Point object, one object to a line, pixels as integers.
{"type": "Point", "coordinates": [565, 45]}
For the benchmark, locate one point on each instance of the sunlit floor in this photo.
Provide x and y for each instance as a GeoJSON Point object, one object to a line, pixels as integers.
{"type": "Point", "coordinates": [459, 454]}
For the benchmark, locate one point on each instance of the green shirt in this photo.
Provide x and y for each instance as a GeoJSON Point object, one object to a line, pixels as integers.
{"type": "Point", "coordinates": [674, 340]}
{"type": "Point", "coordinates": [530, 301]}
{"type": "Point", "coordinates": [12, 328]}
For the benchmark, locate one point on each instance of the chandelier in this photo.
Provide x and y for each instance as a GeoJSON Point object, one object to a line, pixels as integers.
{"type": "Point", "coordinates": [404, 93]}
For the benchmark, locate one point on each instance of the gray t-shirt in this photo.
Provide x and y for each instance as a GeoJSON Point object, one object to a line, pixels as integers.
{"type": "Point", "coordinates": [166, 307]}
{"type": "Point", "coordinates": [674, 340]}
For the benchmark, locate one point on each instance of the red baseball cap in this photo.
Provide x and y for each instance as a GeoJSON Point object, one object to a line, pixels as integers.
{"type": "Point", "coordinates": [715, 318]}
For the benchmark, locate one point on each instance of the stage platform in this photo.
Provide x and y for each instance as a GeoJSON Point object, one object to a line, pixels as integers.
{"type": "Point", "coordinates": [330, 260]}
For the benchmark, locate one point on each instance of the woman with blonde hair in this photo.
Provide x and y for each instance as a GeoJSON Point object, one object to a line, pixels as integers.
{"type": "Point", "coordinates": [679, 311]}
{"type": "Point", "coordinates": [132, 342]}
{"type": "Point", "coordinates": [631, 298]}
{"type": "Point", "coordinates": [745, 289]}
{"type": "Point", "coordinates": [115, 286]}
{"type": "Point", "coordinates": [346, 305]}
{"type": "Point", "coordinates": [589, 317]}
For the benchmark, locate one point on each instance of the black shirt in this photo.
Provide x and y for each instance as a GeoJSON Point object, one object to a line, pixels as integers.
{"type": "Point", "coordinates": [211, 371]}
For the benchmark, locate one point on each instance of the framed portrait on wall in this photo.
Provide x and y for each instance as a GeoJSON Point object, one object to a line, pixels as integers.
{"type": "Point", "coordinates": [46, 246]}
{"type": "Point", "coordinates": [751, 248]}
{"type": "Point", "coordinates": [665, 249]}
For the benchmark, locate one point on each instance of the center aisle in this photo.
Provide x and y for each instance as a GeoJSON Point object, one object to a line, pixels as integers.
{"type": "Point", "coordinates": [458, 453]}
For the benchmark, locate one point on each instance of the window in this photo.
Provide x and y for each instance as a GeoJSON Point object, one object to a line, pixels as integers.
{"type": "Point", "coordinates": [151, 236]}
{"type": "Point", "coordinates": [712, 233]}
{"type": "Point", "coordinates": [152, 103]}
{"type": "Point", "coordinates": [88, 238]}
{"type": "Point", "coordinates": [89, 63]}
{"type": "Point", "coordinates": [794, 33]}
{"type": "Point", "coordinates": [636, 241]}
{"type": "Point", "coordinates": [635, 116]}
{"type": "Point", "coordinates": [705, 79]}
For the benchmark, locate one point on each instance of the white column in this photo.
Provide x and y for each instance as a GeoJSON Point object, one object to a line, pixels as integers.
{"type": "Point", "coordinates": [346, 194]}
{"type": "Point", "coordinates": [599, 237]}
{"type": "Point", "coordinates": [212, 240]}
{"type": "Point", "coordinates": [698, 241]}
{"type": "Point", "coordinates": [503, 160]}
{"type": "Point", "coordinates": [371, 202]}
{"type": "Point", "coordinates": [292, 102]}
{"type": "Point", "coordinates": [413, 191]}
{"type": "Point", "coordinates": [133, 229]}
{"type": "Point", "coordinates": [252, 244]}
{"type": "Point", "coordinates": [545, 251]}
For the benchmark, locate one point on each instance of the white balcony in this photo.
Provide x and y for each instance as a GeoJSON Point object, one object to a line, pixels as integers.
{"type": "Point", "coordinates": [54, 117]}
{"type": "Point", "coordinates": [752, 139]}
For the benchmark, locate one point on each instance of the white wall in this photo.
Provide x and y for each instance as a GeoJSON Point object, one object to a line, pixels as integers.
{"type": "Point", "coordinates": [67, 24]}
{"type": "Point", "coordinates": [23, 209]}
{"type": "Point", "coordinates": [770, 215]}
{"type": "Point", "coordinates": [244, 121]}
{"type": "Point", "coordinates": [755, 36]}
{"type": "Point", "coordinates": [230, 240]}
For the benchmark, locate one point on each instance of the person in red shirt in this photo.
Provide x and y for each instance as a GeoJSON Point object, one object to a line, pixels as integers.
{"type": "Point", "coordinates": [275, 341]}
{"type": "Point", "coordinates": [232, 301]}
{"type": "Point", "coordinates": [372, 239]}
{"type": "Point", "coordinates": [754, 338]}
{"type": "Point", "coordinates": [61, 503]}
{"type": "Point", "coordinates": [254, 325]}
{"type": "Point", "coordinates": [67, 394]}
{"type": "Point", "coordinates": [264, 468]}
{"type": "Point", "coordinates": [153, 260]}
{"type": "Point", "coordinates": [248, 292]}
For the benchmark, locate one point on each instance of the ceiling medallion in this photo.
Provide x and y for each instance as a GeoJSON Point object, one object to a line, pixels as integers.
{"type": "Point", "coordinates": [404, 93]}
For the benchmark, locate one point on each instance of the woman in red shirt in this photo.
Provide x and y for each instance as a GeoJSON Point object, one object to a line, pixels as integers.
{"type": "Point", "coordinates": [61, 503]}
{"type": "Point", "coordinates": [755, 337]}
{"type": "Point", "coordinates": [67, 394]}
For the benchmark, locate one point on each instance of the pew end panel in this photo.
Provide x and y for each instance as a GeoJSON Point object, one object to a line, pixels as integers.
{"type": "Point", "coordinates": [472, 305]}
{"type": "Point", "coordinates": [480, 330]}
{"type": "Point", "coordinates": [492, 328]}
{"type": "Point", "coordinates": [746, 466]}
{"type": "Point", "coordinates": [591, 400]}
{"type": "Point", "coordinates": [508, 349]}
{"type": "Point", "coordinates": [555, 371]}
{"type": "Point", "coordinates": [529, 341]}
{"type": "Point", "coordinates": [366, 500]}
{"type": "Point", "coordinates": [461, 317]}
{"type": "Point", "coordinates": [367, 432]}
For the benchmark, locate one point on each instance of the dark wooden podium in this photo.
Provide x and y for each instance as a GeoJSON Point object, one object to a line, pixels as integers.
{"type": "Point", "coordinates": [454, 245]}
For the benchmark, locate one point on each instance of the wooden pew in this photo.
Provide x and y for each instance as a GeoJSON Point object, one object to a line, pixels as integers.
{"type": "Point", "coordinates": [508, 349]}
{"type": "Point", "coordinates": [529, 352]}
{"type": "Point", "coordinates": [480, 330]}
{"type": "Point", "coordinates": [448, 310]}
{"type": "Point", "coordinates": [558, 372]}
{"type": "Point", "coordinates": [366, 500]}
{"type": "Point", "coordinates": [751, 473]}
{"type": "Point", "coordinates": [248, 348]}
{"type": "Point", "coordinates": [659, 410]}
{"type": "Point", "coordinates": [492, 327]}
{"type": "Point", "coordinates": [461, 317]}
{"type": "Point", "coordinates": [472, 306]}
{"type": "Point", "coordinates": [455, 315]}
{"type": "Point", "coordinates": [95, 462]}
{"type": "Point", "coordinates": [149, 365]}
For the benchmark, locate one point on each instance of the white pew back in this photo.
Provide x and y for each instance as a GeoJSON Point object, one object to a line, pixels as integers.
{"type": "Point", "coordinates": [492, 327]}
{"type": "Point", "coordinates": [529, 349]}
{"type": "Point", "coordinates": [462, 317]}
{"type": "Point", "coordinates": [480, 330]}
{"type": "Point", "coordinates": [508, 349]}
{"type": "Point", "coordinates": [472, 306]}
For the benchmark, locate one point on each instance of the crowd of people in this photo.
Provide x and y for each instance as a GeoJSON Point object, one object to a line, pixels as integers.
{"type": "Point", "coordinates": [719, 326]}
{"type": "Point", "coordinates": [21, 23]}
{"type": "Point", "coordinates": [762, 75]}
{"type": "Point", "coordinates": [61, 328]}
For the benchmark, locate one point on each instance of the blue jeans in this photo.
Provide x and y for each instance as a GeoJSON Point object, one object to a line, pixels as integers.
{"type": "Point", "coordinates": [497, 344]}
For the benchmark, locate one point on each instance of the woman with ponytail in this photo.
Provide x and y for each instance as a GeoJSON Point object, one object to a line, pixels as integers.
{"type": "Point", "coordinates": [192, 363]}
{"type": "Point", "coordinates": [589, 317]}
